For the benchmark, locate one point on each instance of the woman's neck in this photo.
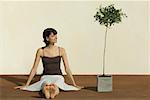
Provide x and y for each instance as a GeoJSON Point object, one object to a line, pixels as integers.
{"type": "Point", "coordinates": [51, 46]}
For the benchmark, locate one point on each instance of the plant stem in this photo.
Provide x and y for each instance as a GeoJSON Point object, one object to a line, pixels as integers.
{"type": "Point", "coordinates": [104, 51]}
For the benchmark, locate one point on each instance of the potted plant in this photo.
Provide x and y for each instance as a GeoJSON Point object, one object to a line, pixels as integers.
{"type": "Point", "coordinates": [107, 16]}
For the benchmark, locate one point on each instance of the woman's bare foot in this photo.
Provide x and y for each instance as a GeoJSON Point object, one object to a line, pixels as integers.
{"type": "Point", "coordinates": [52, 90]}
{"type": "Point", "coordinates": [46, 91]}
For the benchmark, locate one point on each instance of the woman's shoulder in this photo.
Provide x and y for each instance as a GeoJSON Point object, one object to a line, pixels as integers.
{"type": "Point", "coordinates": [41, 48]}
{"type": "Point", "coordinates": [40, 51]}
{"type": "Point", "coordinates": [62, 49]}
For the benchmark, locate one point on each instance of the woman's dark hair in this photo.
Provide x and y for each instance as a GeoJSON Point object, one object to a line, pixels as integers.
{"type": "Point", "coordinates": [46, 33]}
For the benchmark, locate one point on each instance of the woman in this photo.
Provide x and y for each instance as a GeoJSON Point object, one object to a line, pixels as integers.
{"type": "Point", "coordinates": [51, 80]}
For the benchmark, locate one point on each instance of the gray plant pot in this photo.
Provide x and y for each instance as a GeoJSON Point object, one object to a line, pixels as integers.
{"type": "Point", "coordinates": [104, 83]}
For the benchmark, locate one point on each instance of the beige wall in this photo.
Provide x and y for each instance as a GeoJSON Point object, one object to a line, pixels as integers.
{"type": "Point", "coordinates": [149, 38]}
{"type": "Point", "coordinates": [22, 23]}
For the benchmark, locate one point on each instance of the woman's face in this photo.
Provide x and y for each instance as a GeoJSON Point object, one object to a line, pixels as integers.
{"type": "Point", "coordinates": [52, 38]}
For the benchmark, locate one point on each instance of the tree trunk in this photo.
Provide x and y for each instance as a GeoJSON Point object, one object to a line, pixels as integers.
{"type": "Point", "coordinates": [105, 42]}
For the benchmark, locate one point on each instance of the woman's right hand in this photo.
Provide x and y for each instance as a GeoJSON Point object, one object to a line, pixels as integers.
{"type": "Point", "coordinates": [79, 87]}
{"type": "Point", "coordinates": [20, 87]}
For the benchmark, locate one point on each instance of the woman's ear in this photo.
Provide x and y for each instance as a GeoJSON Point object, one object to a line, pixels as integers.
{"type": "Point", "coordinates": [47, 39]}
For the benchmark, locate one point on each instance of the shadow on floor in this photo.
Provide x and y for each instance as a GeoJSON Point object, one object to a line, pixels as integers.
{"type": "Point", "coordinates": [19, 81]}
{"type": "Point", "coordinates": [93, 88]}
{"type": "Point", "coordinates": [15, 80]}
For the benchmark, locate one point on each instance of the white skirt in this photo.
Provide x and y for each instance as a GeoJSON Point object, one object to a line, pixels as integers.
{"type": "Point", "coordinates": [49, 79]}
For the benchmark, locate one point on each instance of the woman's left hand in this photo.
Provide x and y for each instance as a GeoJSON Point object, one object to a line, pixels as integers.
{"type": "Point", "coordinates": [20, 87]}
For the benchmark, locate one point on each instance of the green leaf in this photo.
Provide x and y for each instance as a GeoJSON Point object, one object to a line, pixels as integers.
{"type": "Point", "coordinates": [109, 15]}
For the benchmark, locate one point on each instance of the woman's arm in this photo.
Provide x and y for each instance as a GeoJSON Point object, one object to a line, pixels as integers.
{"type": "Point", "coordinates": [35, 65]}
{"type": "Point", "coordinates": [34, 68]}
{"type": "Point", "coordinates": [66, 65]}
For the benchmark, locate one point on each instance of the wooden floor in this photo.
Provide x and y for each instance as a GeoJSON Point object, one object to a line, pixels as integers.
{"type": "Point", "coordinates": [125, 87]}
